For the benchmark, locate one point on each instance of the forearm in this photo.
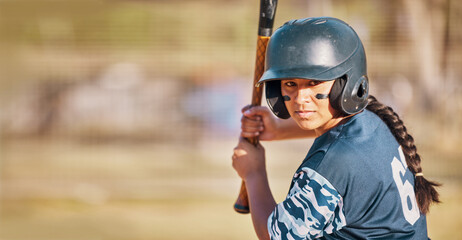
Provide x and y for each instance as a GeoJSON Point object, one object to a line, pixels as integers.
{"type": "Point", "coordinates": [289, 129]}
{"type": "Point", "coordinates": [261, 202]}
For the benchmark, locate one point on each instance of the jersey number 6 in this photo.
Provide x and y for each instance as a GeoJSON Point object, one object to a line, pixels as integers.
{"type": "Point", "coordinates": [405, 189]}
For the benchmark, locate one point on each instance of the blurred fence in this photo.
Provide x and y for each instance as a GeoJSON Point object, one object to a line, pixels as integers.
{"type": "Point", "coordinates": [116, 99]}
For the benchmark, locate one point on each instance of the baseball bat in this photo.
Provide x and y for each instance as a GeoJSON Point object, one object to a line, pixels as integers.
{"type": "Point", "coordinates": [265, 29]}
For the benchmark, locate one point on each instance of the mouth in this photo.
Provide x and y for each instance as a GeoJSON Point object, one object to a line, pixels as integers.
{"type": "Point", "coordinates": [304, 113]}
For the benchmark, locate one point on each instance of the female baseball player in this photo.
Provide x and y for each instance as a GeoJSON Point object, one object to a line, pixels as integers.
{"type": "Point", "coordinates": [361, 178]}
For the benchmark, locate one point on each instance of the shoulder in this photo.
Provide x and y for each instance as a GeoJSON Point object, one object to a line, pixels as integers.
{"type": "Point", "coordinates": [364, 136]}
{"type": "Point", "coordinates": [361, 129]}
{"type": "Point", "coordinates": [361, 152]}
{"type": "Point", "coordinates": [364, 124]}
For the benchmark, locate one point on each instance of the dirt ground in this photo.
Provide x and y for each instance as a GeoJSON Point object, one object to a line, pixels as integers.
{"type": "Point", "coordinates": [63, 190]}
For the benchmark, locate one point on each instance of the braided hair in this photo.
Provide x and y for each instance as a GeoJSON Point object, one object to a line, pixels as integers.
{"type": "Point", "coordinates": [425, 190]}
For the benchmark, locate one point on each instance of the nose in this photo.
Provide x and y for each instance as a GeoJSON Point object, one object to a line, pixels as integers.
{"type": "Point", "coordinates": [303, 95]}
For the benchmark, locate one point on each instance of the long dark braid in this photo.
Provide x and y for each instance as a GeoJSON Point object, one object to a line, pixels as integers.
{"type": "Point", "coordinates": [425, 191]}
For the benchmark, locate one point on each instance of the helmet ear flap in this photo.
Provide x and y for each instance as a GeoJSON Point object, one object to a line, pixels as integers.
{"type": "Point", "coordinates": [335, 96]}
{"type": "Point", "coordinates": [354, 99]}
{"type": "Point", "coordinates": [361, 90]}
{"type": "Point", "coordinates": [275, 100]}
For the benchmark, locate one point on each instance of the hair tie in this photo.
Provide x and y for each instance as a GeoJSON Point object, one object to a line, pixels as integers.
{"type": "Point", "coordinates": [419, 174]}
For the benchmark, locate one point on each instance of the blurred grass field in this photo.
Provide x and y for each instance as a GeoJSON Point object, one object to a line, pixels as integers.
{"type": "Point", "coordinates": [65, 190]}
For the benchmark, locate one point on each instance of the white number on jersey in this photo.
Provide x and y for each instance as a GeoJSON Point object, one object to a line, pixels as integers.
{"type": "Point", "coordinates": [406, 191]}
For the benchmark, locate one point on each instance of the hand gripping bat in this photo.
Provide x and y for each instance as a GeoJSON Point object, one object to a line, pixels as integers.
{"type": "Point", "coordinates": [265, 28]}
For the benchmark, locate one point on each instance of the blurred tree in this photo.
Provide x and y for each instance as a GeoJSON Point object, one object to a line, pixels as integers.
{"type": "Point", "coordinates": [429, 32]}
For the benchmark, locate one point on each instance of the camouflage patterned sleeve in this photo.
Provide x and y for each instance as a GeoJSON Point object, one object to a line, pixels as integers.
{"type": "Point", "coordinates": [312, 209]}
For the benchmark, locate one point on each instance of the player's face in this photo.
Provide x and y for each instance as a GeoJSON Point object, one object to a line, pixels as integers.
{"type": "Point", "coordinates": [309, 112]}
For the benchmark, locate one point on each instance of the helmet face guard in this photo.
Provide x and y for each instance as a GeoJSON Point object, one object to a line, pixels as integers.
{"type": "Point", "coordinates": [322, 49]}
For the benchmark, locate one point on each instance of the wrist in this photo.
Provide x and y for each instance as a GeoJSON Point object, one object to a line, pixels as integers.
{"type": "Point", "coordinates": [279, 129]}
{"type": "Point", "coordinates": [256, 177]}
{"type": "Point", "coordinates": [286, 128]}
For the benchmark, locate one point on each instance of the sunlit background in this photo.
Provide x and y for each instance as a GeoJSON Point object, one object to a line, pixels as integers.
{"type": "Point", "coordinates": [118, 117]}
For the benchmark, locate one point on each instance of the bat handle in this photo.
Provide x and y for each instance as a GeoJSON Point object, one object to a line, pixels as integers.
{"type": "Point", "coordinates": [242, 203]}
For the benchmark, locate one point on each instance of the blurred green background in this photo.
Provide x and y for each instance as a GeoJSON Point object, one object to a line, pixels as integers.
{"type": "Point", "coordinates": [118, 117]}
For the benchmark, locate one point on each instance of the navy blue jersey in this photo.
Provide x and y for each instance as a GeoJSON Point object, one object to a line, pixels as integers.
{"type": "Point", "coordinates": [353, 184]}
